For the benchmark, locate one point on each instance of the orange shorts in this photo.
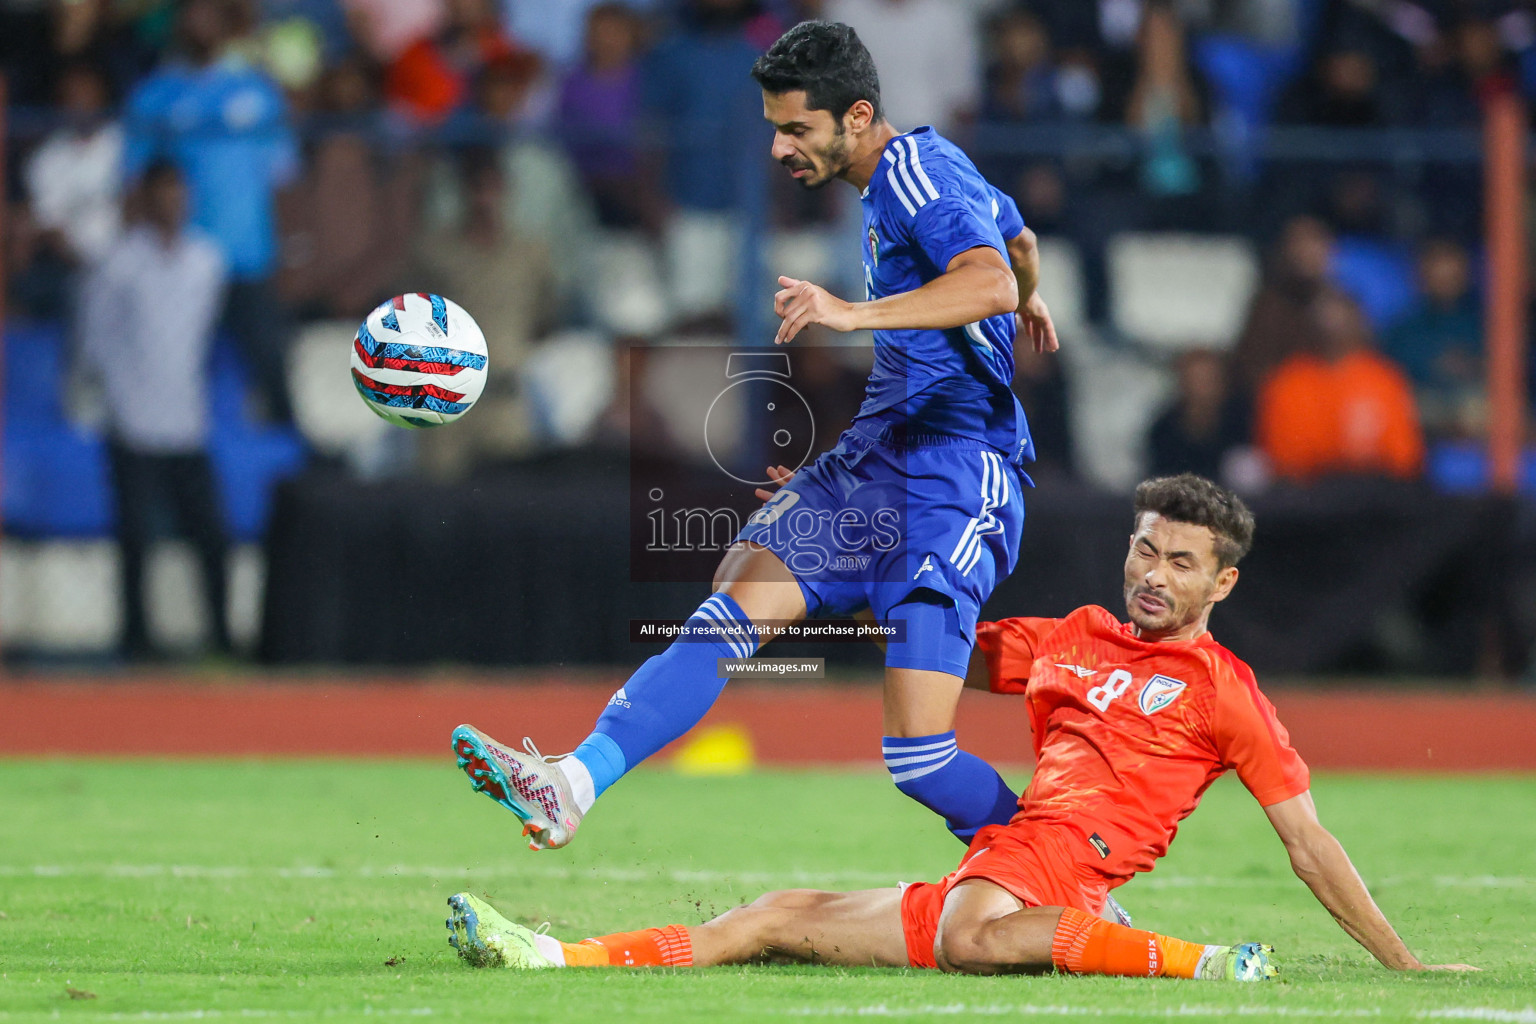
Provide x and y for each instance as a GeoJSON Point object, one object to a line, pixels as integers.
{"type": "Point", "coordinates": [1031, 860]}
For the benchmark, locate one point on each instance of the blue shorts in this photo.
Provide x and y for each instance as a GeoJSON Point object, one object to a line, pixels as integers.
{"type": "Point", "coordinates": [916, 532]}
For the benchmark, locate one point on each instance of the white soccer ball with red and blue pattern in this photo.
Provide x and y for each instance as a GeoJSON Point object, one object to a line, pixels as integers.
{"type": "Point", "coordinates": [419, 360]}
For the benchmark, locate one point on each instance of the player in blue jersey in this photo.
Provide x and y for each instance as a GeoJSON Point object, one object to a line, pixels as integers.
{"type": "Point", "coordinates": [912, 518]}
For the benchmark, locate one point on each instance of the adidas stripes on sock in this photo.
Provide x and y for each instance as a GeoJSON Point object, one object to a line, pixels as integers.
{"type": "Point", "coordinates": [1091, 945]}
{"type": "Point", "coordinates": [935, 772]}
{"type": "Point", "coordinates": [663, 699]}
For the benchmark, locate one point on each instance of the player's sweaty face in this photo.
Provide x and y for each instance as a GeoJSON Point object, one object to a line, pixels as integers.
{"type": "Point", "coordinates": [1171, 575]}
{"type": "Point", "coordinates": [810, 143]}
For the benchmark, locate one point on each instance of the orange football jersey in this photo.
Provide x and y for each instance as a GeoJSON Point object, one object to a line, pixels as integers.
{"type": "Point", "coordinates": [1129, 733]}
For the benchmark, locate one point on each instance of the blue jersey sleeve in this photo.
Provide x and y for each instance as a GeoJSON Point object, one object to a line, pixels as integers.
{"type": "Point", "coordinates": [950, 225]}
{"type": "Point", "coordinates": [1006, 212]}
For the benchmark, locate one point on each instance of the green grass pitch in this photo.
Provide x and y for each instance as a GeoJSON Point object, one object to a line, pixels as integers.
{"type": "Point", "coordinates": [315, 890]}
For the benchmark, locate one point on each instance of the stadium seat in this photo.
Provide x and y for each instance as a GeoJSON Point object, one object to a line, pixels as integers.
{"type": "Point", "coordinates": [570, 379]}
{"type": "Point", "coordinates": [1061, 285]}
{"type": "Point", "coordinates": [325, 403]}
{"type": "Point", "coordinates": [680, 386]}
{"type": "Point", "coordinates": [1377, 274]}
{"type": "Point", "coordinates": [625, 290]}
{"type": "Point", "coordinates": [60, 597]}
{"type": "Point", "coordinates": [807, 255]}
{"type": "Point", "coordinates": [1462, 467]}
{"type": "Point", "coordinates": [55, 472]}
{"type": "Point", "coordinates": [1177, 291]}
{"type": "Point", "coordinates": [1116, 392]}
{"type": "Point", "coordinates": [55, 481]}
{"type": "Point", "coordinates": [1247, 76]}
{"type": "Point", "coordinates": [702, 250]}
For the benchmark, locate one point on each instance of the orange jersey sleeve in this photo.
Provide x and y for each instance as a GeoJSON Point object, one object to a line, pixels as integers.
{"type": "Point", "coordinates": [1009, 645]}
{"type": "Point", "coordinates": [1250, 739]}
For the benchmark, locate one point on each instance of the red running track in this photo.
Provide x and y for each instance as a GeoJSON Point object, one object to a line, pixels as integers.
{"type": "Point", "coordinates": [789, 724]}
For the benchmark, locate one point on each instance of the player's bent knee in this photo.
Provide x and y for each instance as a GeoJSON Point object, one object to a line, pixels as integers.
{"type": "Point", "coordinates": [961, 951]}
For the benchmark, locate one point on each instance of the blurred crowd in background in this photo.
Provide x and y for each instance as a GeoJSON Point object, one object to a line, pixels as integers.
{"type": "Point", "coordinates": [591, 181]}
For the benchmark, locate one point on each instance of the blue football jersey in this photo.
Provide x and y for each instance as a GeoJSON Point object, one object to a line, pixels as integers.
{"type": "Point", "coordinates": [925, 205]}
{"type": "Point", "coordinates": [1006, 212]}
{"type": "Point", "coordinates": [226, 126]}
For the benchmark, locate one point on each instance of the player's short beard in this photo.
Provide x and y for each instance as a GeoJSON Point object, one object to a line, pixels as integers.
{"type": "Point", "coordinates": [834, 158]}
{"type": "Point", "coordinates": [1167, 622]}
{"type": "Point", "coordinates": [1177, 614]}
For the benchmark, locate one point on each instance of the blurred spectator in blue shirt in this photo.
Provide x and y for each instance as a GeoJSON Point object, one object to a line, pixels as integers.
{"type": "Point", "coordinates": [599, 117]}
{"type": "Point", "coordinates": [1440, 342]}
{"type": "Point", "coordinates": [699, 94]}
{"type": "Point", "coordinates": [225, 124]}
{"type": "Point", "coordinates": [560, 30]}
{"type": "Point", "coordinates": [707, 115]}
{"type": "Point", "coordinates": [1022, 80]}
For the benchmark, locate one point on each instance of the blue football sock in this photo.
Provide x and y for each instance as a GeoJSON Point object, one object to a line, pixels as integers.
{"type": "Point", "coordinates": [935, 772]}
{"type": "Point", "coordinates": [668, 694]}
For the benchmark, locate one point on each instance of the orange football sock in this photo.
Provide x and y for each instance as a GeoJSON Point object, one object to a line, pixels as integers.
{"type": "Point", "coordinates": [584, 954]}
{"type": "Point", "coordinates": [1091, 945]}
{"type": "Point", "coordinates": [653, 947]}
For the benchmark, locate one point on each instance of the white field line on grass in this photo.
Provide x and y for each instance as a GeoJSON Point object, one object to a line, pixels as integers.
{"type": "Point", "coordinates": [250, 1014]}
{"type": "Point", "coordinates": [1471, 1013]}
{"type": "Point", "coordinates": [1477, 1013]}
{"type": "Point", "coordinates": [524, 868]}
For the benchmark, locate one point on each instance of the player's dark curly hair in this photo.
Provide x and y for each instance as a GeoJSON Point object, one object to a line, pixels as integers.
{"type": "Point", "coordinates": [828, 61]}
{"type": "Point", "coordinates": [1192, 499]}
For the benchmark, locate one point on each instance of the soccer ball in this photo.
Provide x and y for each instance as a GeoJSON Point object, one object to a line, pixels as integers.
{"type": "Point", "coordinates": [419, 360]}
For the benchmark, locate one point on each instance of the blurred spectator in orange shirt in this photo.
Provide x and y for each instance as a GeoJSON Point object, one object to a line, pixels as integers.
{"type": "Point", "coordinates": [433, 77]}
{"type": "Point", "coordinates": [1339, 406]}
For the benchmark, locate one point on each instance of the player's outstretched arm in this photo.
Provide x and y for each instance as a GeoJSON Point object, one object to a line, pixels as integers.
{"type": "Point", "coordinates": [1034, 317]}
{"type": "Point", "coordinates": [1319, 860]}
{"type": "Point", "coordinates": [976, 285]}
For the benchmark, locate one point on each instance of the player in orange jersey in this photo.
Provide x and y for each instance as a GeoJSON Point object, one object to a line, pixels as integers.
{"type": "Point", "coordinates": [1131, 723]}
